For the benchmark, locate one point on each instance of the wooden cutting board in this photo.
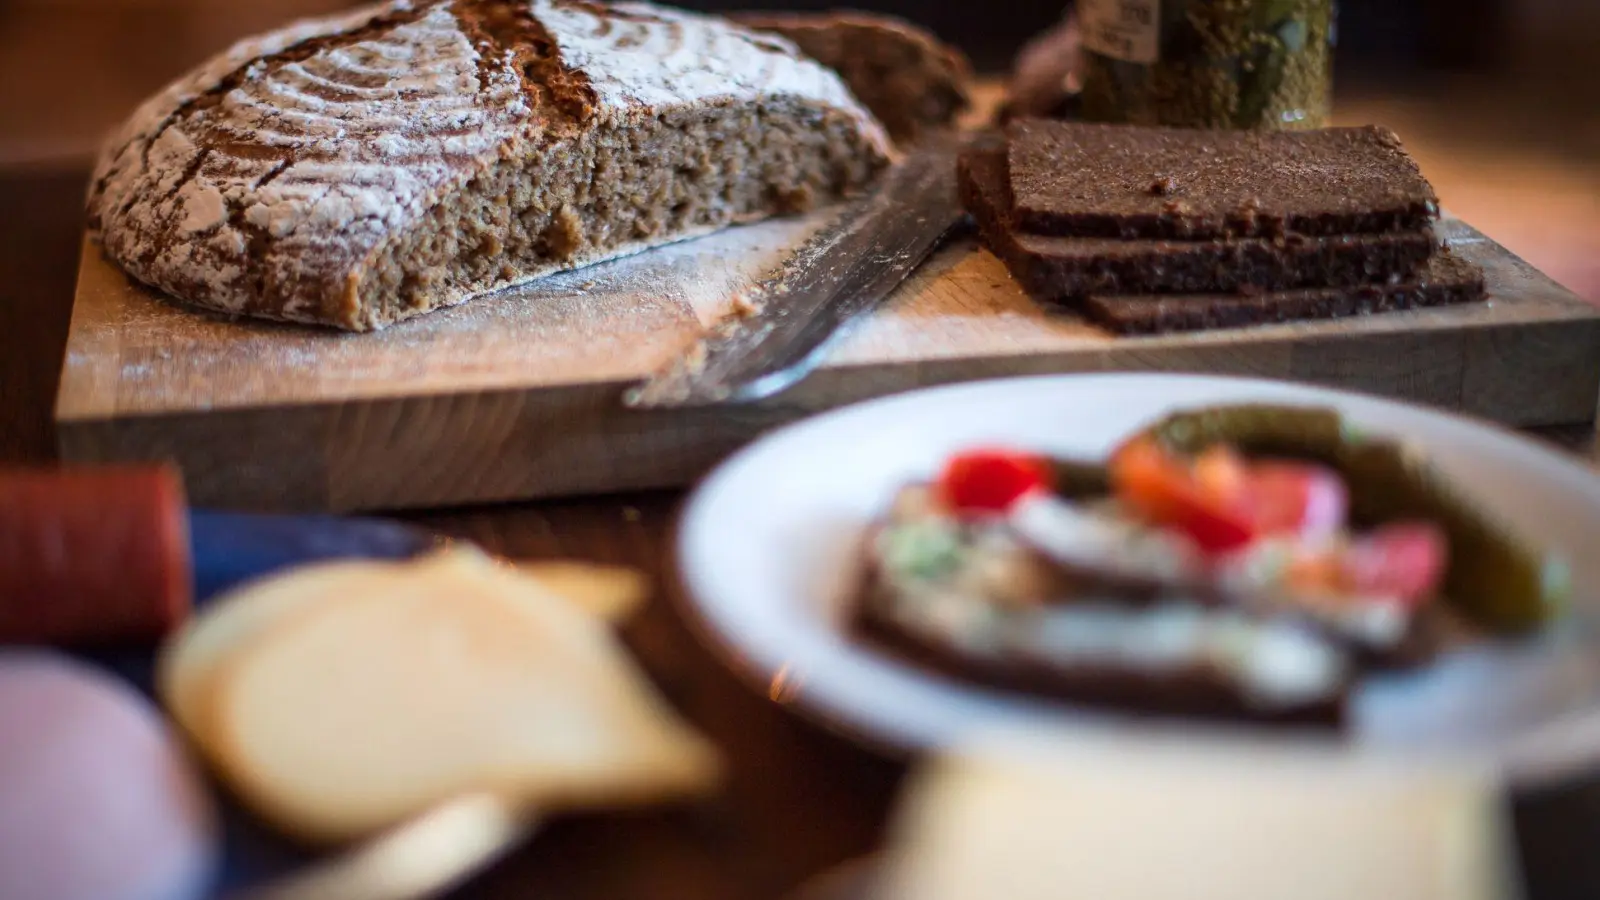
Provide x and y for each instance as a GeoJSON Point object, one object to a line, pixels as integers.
{"type": "Point", "coordinates": [518, 395]}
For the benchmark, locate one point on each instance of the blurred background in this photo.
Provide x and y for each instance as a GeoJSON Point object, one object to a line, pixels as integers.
{"type": "Point", "coordinates": [1498, 99]}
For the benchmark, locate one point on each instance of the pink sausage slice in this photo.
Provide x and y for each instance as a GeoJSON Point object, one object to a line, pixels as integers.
{"type": "Point", "coordinates": [97, 799]}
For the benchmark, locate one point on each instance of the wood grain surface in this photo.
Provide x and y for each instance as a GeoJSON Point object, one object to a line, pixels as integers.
{"type": "Point", "coordinates": [515, 396]}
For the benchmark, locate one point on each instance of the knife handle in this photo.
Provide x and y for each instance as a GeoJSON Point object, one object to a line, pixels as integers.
{"type": "Point", "coordinates": [227, 549]}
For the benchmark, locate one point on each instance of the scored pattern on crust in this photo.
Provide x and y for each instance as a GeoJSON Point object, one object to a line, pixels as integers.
{"type": "Point", "coordinates": [264, 181]}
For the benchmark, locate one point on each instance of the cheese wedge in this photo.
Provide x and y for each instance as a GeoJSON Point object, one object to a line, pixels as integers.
{"type": "Point", "coordinates": [551, 711]}
{"type": "Point", "coordinates": [186, 667]}
{"type": "Point", "coordinates": [350, 716]}
{"type": "Point", "coordinates": [613, 593]}
{"type": "Point", "coordinates": [1194, 821]}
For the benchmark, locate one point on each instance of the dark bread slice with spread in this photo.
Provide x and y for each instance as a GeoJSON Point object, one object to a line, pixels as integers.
{"type": "Point", "coordinates": [1446, 280]}
{"type": "Point", "coordinates": [1194, 693]}
{"type": "Point", "coordinates": [1055, 268]}
{"type": "Point", "coordinates": [910, 80]}
{"type": "Point", "coordinates": [915, 621]}
{"type": "Point", "coordinates": [1091, 180]}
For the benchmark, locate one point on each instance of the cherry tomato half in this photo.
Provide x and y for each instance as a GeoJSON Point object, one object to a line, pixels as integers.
{"type": "Point", "coordinates": [1163, 490]}
{"type": "Point", "coordinates": [990, 481]}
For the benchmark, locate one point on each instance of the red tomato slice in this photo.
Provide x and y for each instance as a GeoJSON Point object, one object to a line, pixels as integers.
{"type": "Point", "coordinates": [1222, 473]}
{"type": "Point", "coordinates": [1162, 490]}
{"type": "Point", "coordinates": [1405, 560]}
{"type": "Point", "coordinates": [990, 481]}
{"type": "Point", "coordinates": [1295, 498]}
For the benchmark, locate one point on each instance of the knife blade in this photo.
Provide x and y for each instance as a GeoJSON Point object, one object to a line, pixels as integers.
{"type": "Point", "coordinates": [843, 271]}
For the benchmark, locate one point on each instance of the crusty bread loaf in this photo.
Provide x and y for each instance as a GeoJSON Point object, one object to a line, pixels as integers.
{"type": "Point", "coordinates": [913, 82]}
{"type": "Point", "coordinates": [358, 170]}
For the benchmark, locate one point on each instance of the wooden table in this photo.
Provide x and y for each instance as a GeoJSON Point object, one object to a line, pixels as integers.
{"type": "Point", "coordinates": [798, 800]}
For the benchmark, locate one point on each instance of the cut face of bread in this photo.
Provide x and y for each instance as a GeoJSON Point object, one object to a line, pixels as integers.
{"type": "Point", "coordinates": [1446, 279]}
{"type": "Point", "coordinates": [451, 676]}
{"type": "Point", "coordinates": [359, 170]}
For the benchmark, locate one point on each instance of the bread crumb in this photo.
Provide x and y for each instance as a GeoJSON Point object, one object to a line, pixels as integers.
{"type": "Point", "coordinates": [744, 306]}
{"type": "Point", "coordinates": [696, 360]}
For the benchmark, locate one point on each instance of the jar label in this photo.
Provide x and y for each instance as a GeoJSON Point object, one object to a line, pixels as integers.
{"type": "Point", "coordinates": [1122, 29]}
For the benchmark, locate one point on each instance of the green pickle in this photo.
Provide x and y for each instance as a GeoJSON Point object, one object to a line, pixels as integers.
{"type": "Point", "coordinates": [1246, 64]}
{"type": "Point", "coordinates": [1493, 577]}
{"type": "Point", "coordinates": [928, 551]}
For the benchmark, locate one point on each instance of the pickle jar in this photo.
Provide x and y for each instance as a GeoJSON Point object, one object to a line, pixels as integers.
{"type": "Point", "coordinates": [1250, 64]}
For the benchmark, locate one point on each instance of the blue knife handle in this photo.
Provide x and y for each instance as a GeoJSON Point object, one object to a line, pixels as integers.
{"type": "Point", "coordinates": [230, 548]}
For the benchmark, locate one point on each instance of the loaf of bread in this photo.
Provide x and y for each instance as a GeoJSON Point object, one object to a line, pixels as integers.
{"type": "Point", "coordinates": [913, 82]}
{"type": "Point", "coordinates": [358, 170]}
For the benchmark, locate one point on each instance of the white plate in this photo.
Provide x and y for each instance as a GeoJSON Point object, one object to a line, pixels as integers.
{"type": "Point", "coordinates": [768, 549]}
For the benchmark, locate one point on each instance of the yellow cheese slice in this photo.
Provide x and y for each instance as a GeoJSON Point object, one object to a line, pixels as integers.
{"type": "Point", "coordinates": [341, 699]}
{"type": "Point", "coordinates": [1192, 820]}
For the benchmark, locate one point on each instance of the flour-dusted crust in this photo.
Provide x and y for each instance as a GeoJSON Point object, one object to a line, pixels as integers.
{"type": "Point", "coordinates": [913, 82]}
{"type": "Point", "coordinates": [293, 176]}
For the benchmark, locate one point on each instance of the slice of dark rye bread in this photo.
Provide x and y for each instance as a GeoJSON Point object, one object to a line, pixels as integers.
{"type": "Point", "coordinates": [1447, 279]}
{"type": "Point", "coordinates": [1053, 268]}
{"type": "Point", "coordinates": [1090, 180]}
{"type": "Point", "coordinates": [1193, 693]}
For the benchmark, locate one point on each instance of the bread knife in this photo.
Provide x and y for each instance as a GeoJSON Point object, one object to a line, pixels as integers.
{"type": "Point", "coordinates": [830, 281]}
{"type": "Point", "coordinates": [417, 859]}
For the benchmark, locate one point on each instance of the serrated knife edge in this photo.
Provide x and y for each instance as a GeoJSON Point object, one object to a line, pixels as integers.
{"type": "Point", "coordinates": [831, 280]}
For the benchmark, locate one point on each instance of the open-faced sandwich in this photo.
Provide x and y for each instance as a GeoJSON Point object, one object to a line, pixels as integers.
{"type": "Point", "coordinates": [1245, 562]}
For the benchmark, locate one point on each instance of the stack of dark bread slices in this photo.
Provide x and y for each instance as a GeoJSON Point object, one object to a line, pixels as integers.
{"type": "Point", "coordinates": [1150, 230]}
